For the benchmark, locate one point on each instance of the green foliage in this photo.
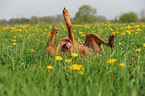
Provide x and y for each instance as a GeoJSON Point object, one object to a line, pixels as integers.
{"type": "Point", "coordinates": [142, 20]}
{"type": "Point", "coordinates": [102, 19]}
{"type": "Point", "coordinates": [86, 14]}
{"type": "Point", "coordinates": [129, 17]}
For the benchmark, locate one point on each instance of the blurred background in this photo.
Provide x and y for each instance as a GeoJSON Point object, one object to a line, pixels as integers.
{"type": "Point", "coordinates": [81, 11]}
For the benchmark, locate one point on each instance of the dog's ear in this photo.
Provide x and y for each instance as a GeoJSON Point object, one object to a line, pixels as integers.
{"type": "Point", "coordinates": [111, 37]}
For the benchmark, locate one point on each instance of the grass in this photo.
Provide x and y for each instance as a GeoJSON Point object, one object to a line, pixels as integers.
{"type": "Point", "coordinates": [24, 70]}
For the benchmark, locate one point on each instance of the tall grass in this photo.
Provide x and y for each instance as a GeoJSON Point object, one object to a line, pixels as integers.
{"type": "Point", "coordinates": [24, 70]}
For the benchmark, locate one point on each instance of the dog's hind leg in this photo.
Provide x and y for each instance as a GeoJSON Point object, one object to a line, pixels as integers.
{"type": "Point", "coordinates": [94, 41]}
{"type": "Point", "coordinates": [49, 45]}
{"type": "Point", "coordinates": [68, 23]}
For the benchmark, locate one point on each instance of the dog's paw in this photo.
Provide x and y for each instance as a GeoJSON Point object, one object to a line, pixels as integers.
{"type": "Point", "coordinates": [111, 37]}
{"type": "Point", "coordinates": [54, 30]}
{"type": "Point", "coordinates": [65, 12]}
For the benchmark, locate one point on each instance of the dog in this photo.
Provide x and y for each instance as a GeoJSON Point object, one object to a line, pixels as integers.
{"type": "Point", "coordinates": [93, 43]}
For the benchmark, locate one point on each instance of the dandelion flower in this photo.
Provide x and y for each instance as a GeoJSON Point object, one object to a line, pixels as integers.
{"type": "Point", "coordinates": [81, 72]}
{"type": "Point", "coordinates": [49, 67]}
{"type": "Point", "coordinates": [111, 60]}
{"type": "Point", "coordinates": [74, 54]}
{"type": "Point", "coordinates": [20, 35]}
{"type": "Point", "coordinates": [138, 49]}
{"type": "Point", "coordinates": [14, 43]}
{"type": "Point", "coordinates": [75, 67]}
{"type": "Point", "coordinates": [14, 36]}
{"type": "Point", "coordinates": [83, 35]}
{"type": "Point", "coordinates": [37, 39]}
{"type": "Point", "coordinates": [123, 33]}
{"type": "Point", "coordinates": [144, 44]}
{"type": "Point", "coordinates": [31, 49]}
{"type": "Point", "coordinates": [113, 32]}
{"type": "Point", "coordinates": [121, 64]}
{"type": "Point", "coordinates": [117, 32]}
{"type": "Point", "coordinates": [58, 58]}
{"type": "Point", "coordinates": [67, 60]}
{"type": "Point", "coordinates": [14, 40]}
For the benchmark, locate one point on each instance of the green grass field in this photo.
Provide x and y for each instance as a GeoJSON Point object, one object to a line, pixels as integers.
{"type": "Point", "coordinates": [25, 71]}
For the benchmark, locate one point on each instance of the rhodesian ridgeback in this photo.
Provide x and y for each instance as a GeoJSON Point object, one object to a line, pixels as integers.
{"type": "Point", "coordinates": [93, 43]}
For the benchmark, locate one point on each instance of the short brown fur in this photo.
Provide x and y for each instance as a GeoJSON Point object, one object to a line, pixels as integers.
{"type": "Point", "coordinates": [93, 43]}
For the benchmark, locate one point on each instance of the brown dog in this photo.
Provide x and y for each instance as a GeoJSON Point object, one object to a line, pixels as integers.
{"type": "Point", "coordinates": [93, 43]}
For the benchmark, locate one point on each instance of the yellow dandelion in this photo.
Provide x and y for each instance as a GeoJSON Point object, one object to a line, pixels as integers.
{"type": "Point", "coordinates": [138, 49]}
{"type": "Point", "coordinates": [136, 32]}
{"type": "Point", "coordinates": [123, 33]}
{"type": "Point", "coordinates": [113, 32]}
{"type": "Point", "coordinates": [31, 49]}
{"type": "Point", "coordinates": [144, 44]}
{"type": "Point", "coordinates": [67, 60]}
{"type": "Point", "coordinates": [75, 67]}
{"type": "Point", "coordinates": [20, 35]}
{"type": "Point", "coordinates": [83, 68]}
{"type": "Point", "coordinates": [79, 39]}
{"type": "Point", "coordinates": [121, 64]}
{"type": "Point", "coordinates": [14, 40]}
{"type": "Point", "coordinates": [37, 39]}
{"type": "Point", "coordinates": [83, 35]}
{"type": "Point", "coordinates": [117, 32]}
{"type": "Point", "coordinates": [111, 29]}
{"type": "Point", "coordinates": [15, 37]}
{"type": "Point", "coordinates": [49, 67]}
{"type": "Point", "coordinates": [74, 54]}
{"type": "Point", "coordinates": [111, 60]}
{"type": "Point", "coordinates": [129, 32]}
{"type": "Point", "coordinates": [14, 43]}
{"type": "Point", "coordinates": [81, 72]}
{"type": "Point", "coordinates": [80, 32]}
{"type": "Point", "coordinates": [58, 58]}
{"type": "Point", "coordinates": [27, 31]}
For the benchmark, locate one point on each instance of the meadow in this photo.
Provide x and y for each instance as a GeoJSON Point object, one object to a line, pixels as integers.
{"type": "Point", "coordinates": [25, 71]}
